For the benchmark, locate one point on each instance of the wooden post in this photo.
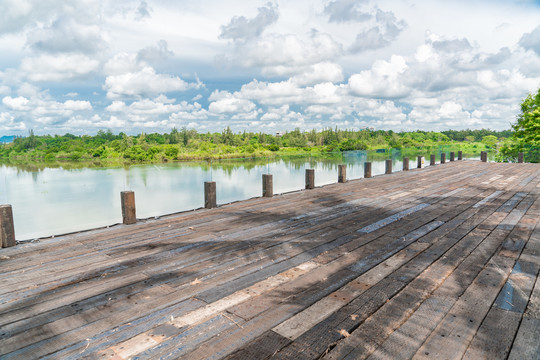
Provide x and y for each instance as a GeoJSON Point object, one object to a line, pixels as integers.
{"type": "Point", "coordinates": [388, 167]}
{"type": "Point", "coordinates": [7, 230]}
{"type": "Point", "coordinates": [367, 169]}
{"type": "Point", "coordinates": [431, 160]}
{"type": "Point", "coordinates": [405, 163]}
{"type": "Point", "coordinates": [460, 155]}
{"type": "Point", "coordinates": [128, 207]}
{"type": "Point", "coordinates": [420, 162]}
{"type": "Point", "coordinates": [268, 186]}
{"type": "Point", "coordinates": [483, 156]}
{"type": "Point", "coordinates": [210, 194]}
{"type": "Point", "coordinates": [310, 178]}
{"type": "Point", "coordinates": [520, 157]}
{"type": "Point", "coordinates": [342, 173]}
{"type": "Point", "coordinates": [452, 156]}
{"type": "Point", "coordinates": [443, 158]}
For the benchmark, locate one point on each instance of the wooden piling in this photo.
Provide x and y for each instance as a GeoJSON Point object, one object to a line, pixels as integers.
{"type": "Point", "coordinates": [420, 162]}
{"type": "Point", "coordinates": [388, 167]}
{"type": "Point", "coordinates": [128, 207]}
{"type": "Point", "coordinates": [483, 156]}
{"type": "Point", "coordinates": [310, 178]}
{"type": "Point", "coordinates": [520, 157]}
{"type": "Point", "coordinates": [431, 159]}
{"type": "Point", "coordinates": [460, 155]}
{"type": "Point", "coordinates": [452, 156]}
{"type": "Point", "coordinates": [443, 158]}
{"type": "Point", "coordinates": [210, 194]}
{"type": "Point", "coordinates": [267, 185]}
{"type": "Point", "coordinates": [7, 229]}
{"type": "Point", "coordinates": [367, 169]}
{"type": "Point", "coordinates": [342, 173]}
{"type": "Point", "coordinates": [405, 163]}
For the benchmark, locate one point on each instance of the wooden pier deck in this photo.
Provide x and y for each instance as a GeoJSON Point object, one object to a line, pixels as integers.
{"type": "Point", "coordinates": [433, 263]}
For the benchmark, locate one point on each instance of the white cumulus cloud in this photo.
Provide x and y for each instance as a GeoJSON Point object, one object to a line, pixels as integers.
{"type": "Point", "coordinates": [144, 82]}
{"type": "Point", "coordinates": [58, 68]}
{"type": "Point", "coordinates": [19, 103]}
{"type": "Point", "coordinates": [242, 28]}
{"type": "Point", "coordinates": [8, 123]}
{"type": "Point", "coordinates": [383, 80]}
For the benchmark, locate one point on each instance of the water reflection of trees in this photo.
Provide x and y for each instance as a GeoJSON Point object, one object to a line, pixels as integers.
{"type": "Point", "coordinates": [326, 161]}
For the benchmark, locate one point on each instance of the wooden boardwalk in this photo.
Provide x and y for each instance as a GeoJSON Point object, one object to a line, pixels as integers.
{"type": "Point", "coordinates": [435, 263]}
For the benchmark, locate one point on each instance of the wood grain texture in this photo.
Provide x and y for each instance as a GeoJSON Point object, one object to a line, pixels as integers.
{"type": "Point", "coordinates": [434, 262]}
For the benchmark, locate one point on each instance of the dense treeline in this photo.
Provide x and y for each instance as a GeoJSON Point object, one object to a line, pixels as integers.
{"type": "Point", "coordinates": [186, 144]}
{"type": "Point", "coordinates": [475, 135]}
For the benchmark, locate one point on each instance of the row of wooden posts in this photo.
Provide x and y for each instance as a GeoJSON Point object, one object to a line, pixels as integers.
{"type": "Point", "coordinates": [7, 232]}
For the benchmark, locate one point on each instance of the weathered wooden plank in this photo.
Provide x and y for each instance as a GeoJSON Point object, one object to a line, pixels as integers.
{"type": "Point", "coordinates": [494, 338]}
{"type": "Point", "coordinates": [211, 310]}
{"type": "Point", "coordinates": [310, 345]}
{"type": "Point", "coordinates": [379, 224]}
{"type": "Point", "coordinates": [373, 332]}
{"type": "Point", "coordinates": [474, 251]}
{"type": "Point", "coordinates": [185, 341]}
{"type": "Point", "coordinates": [316, 341]}
{"type": "Point", "coordinates": [314, 314]}
{"type": "Point", "coordinates": [453, 335]}
{"type": "Point", "coordinates": [186, 255]}
{"type": "Point", "coordinates": [526, 344]}
{"type": "Point", "coordinates": [262, 348]}
{"type": "Point", "coordinates": [76, 340]}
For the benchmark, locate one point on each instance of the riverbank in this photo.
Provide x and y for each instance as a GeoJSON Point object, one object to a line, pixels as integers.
{"type": "Point", "coordinates": [37, 160]}
{"type": "Point", "coordinates": [188, 145]}
{"type": "Point", "coordinates": [52, 200]}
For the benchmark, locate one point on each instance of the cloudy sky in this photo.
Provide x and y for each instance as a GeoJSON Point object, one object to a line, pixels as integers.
{"type": "Point", "coordinates": [132, 66]}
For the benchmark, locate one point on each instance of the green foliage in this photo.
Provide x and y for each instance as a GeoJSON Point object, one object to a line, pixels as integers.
{"type": "Point", "coordinates": [188, 144]}
{"type": "Point", "coordinates": [527, 128]}
{"type": "Point", "coordinates": [475, 135]}
{"type": "Point", "coordinates": [526, 137]}
{"type": "Point", "coordinates": [490, 141]}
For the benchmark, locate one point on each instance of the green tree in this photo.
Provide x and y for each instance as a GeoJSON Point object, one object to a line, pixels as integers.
{"type": "Point", "coordinates": [527, 128]}
{"type": "Point", "coordinates": [526, 137]}
{"type": "Point", "coordinates": [490, 141]}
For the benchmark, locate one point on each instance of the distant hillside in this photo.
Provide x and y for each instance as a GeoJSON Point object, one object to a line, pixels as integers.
{"type": "Point", "coordinates": [6, 139]}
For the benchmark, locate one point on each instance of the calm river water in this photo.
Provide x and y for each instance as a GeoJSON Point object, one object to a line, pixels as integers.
{"type": "Point", "coordinates": [52, 201]}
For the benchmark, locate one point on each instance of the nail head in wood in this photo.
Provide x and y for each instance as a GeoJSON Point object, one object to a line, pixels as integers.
{"type": "Point", "coordinates": [128, 207]}
{"type": "Point", "coordinates": [210, 194]}
{"type": "Point", "coordinates": [7, 229]}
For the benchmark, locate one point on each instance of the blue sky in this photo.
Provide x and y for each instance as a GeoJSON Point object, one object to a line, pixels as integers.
{"type": "Point", "coordinates": [132, 66]}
